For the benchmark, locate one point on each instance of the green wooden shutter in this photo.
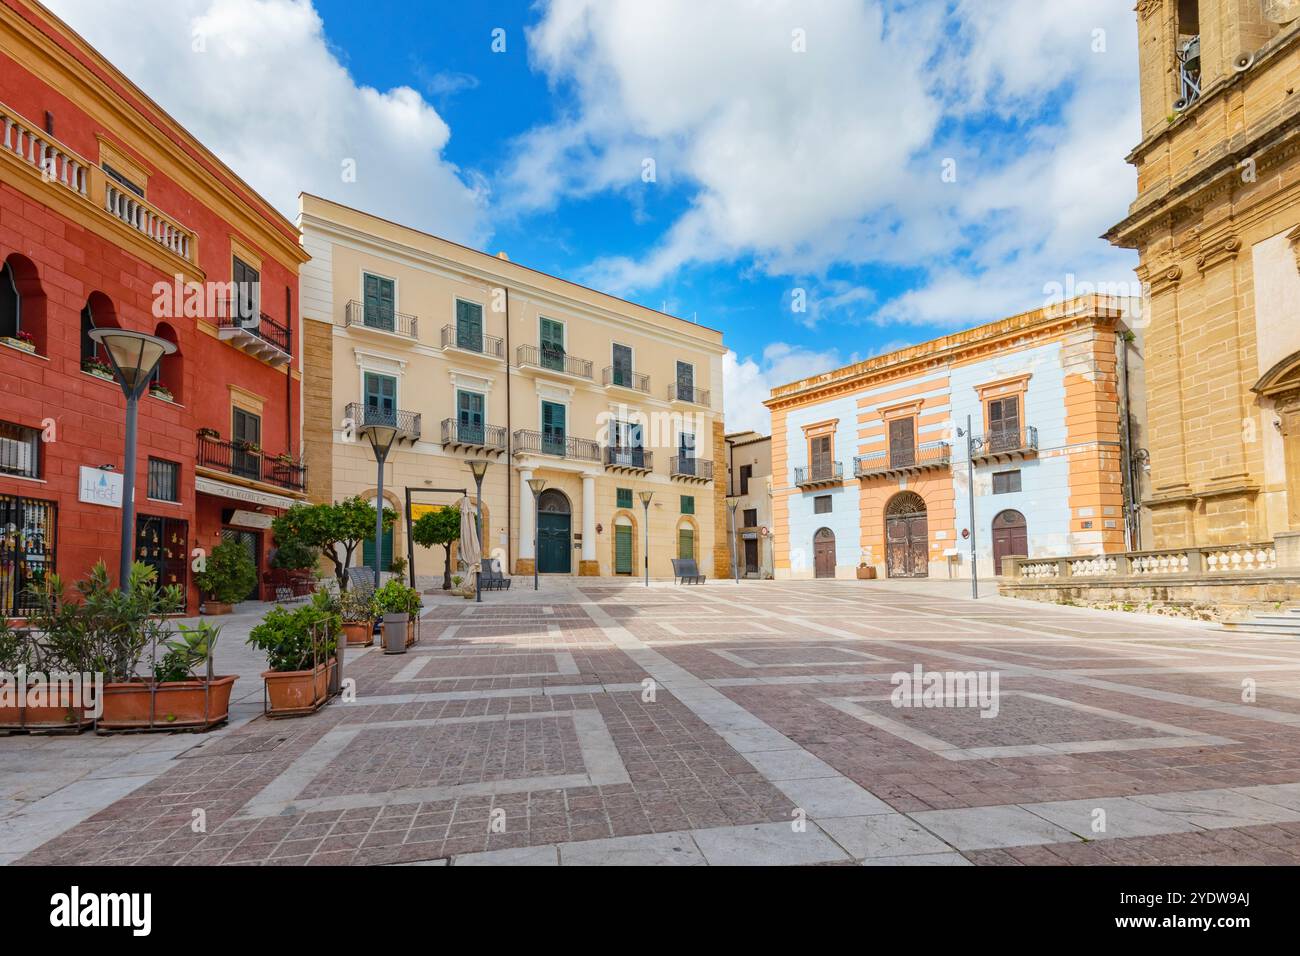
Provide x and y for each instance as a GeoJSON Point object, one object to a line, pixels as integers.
{"type": "Point", "coordinates": [368, 551]}
{"type": "Point", "coordinates": [622, 364]}
{"type": "Point", "coordinates": [379, 302]}
{"type": "Point", "coordinates": [688, 504]}
{"type": "Point", "coordinates": [622, 549]}
{"type": "Point", "coordinates": [469, 411]}
{"type": "Point", "coordinates": [381, 399]}
{"type": "Point", "coordinates": [624, 497]}
{"type": "Point", "coordinates": [552, 341]}
{"type": "Point", "coordinates": [469, 325]}
{"type": "Point", "coordinates": [552, 428]}
{"type": "Point", "coordinates": [685, 543]}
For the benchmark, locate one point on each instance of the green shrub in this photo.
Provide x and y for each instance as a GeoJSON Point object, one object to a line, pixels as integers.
{"type": "Point", "coordinates": [356, 608]}
{"type": "Point", "coordinates": [396, 598]}
{"type": "Point", "coordinates": [187, 652]}
{"type": "Point", "coordinates": [16, 648]}
{"type": "Point", "coordinates": [295, 640]}
{"type": "Point", "coordinates": [294, 555]}
{"type": "Point", "coordinates": [229, 575]}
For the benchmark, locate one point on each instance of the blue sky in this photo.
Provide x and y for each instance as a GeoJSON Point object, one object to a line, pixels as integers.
{"type": "Point", "coordinates": [901, 168]}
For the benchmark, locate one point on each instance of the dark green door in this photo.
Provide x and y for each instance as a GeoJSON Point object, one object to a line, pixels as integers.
{"type": "Point", "coordinates": [552, 340]}
{"type": "Point", "coordinates": [470, 417]}
{"type": "Point", "coordinates": [368, 550]}
{"type": "Point", "coordinates": [552, 428]}
{"type": "Point", "coordinates": [379, 302]}
{"type": "Point", "coordinates": [622, 549]}
{"type": "Point", "coordinates": [469, 325]}
{"type": "Point", "coordinates": [553, 550]}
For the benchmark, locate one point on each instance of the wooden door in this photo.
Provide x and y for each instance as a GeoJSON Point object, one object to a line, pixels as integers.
{"type": "Point", "coordinates": [907, 537]}
{"type": "Point", "coordinates": [1004, 424]}
{"type": "Point", "coordinates": [1010, 538]}
{"type": "Point", "coordinates": [622, 549]}
{"type": "Point", "coordinates": [902, 443]}
{"type": "Point", "coordinates": [824, 553]}
{"type": "Point", "coordinates": [751, 556]}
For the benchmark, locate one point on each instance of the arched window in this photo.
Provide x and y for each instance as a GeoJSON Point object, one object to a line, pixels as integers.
{"type": "Point", "coordinates": [169, 375]}
{"type": "Point", "coordinates": [97, 313]}
{"type": "Point", "coordinates": [10, 304]}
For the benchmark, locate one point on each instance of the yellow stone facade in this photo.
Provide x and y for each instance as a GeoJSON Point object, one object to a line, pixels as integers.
{"type": "Point", "coordinates": [1215, 224]}
{"type": "Point", "coordinates": [439, 325]}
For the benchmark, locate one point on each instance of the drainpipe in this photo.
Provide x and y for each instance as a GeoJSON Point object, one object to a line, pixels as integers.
{"type": "Point", "coordinates": [1132, 520]}
{"type": "Point", "coordinates": [288, 374]}
{"type": "Point", "coordinates": [510, 478]}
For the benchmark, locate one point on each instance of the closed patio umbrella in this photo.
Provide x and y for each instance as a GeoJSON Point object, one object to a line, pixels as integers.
{"type": "Point", "coordinates": [470, 551]}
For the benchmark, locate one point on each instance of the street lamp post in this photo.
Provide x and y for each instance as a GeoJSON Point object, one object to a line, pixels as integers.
{"type": "Point", "coordinates": [645, 497]}
{"type": "Point", "coordinates": [970, 486]}
{"type": "Point", "coordinates": [537, 486]}
{"type": "Point", "coordinates": [381, 436]}
{"type": "Point", "coordinates": [479, 468]}
{"type": "Point", "coordinates": [733, 502]}
{"type": "Point", "coordinates": [134, 356]}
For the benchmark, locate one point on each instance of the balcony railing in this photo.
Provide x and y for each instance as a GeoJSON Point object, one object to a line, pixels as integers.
{"type": "Point", "coordinates": [553, 360]}
{"type": "Point", "coordinates": [934, 454]}
{"type": "Point", "coordinates": [239, 459]}
{"type": "Point", "coordinates": [1005, 443]}
{"type": "Point", "coordinates": [681, 392]}
{"type": "Point", "coordinates": [356, 315]}
{"type": "Point", "coordinates": [490, 345]}
{"type": "Point", "coordinates": [254, 335]}
{"type": "Point", "coordinates": [626, 378]}
{"type": "Point", "coordinates": [700, 469]}
{"type": "Point", "coordinates": [406, 423]}
{"type": "Point", "coordinates": [807, 476]}
{"type": "Point", "coordinates": [561, 446]}
{"type": "Point", "coordinates": [628, 459]}
{"type": "Point", "coordinates": [58, 164]}
{"type": "Point", "coordinates": [464, 435]}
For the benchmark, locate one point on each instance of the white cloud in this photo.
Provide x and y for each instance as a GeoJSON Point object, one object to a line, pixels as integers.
{"type": "Point", "coordinates": [802, 162]}
{"type": "Point", "coordinates": [748, 382]}
{"type": "Point", "coordinates": [257, 83]}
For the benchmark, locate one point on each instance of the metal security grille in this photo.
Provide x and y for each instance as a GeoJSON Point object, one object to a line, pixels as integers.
{"type": "Point", "coordinates": [164, 480]}
{"type": "Point", "coordinates": [20, 450]}
{"type": "Point", "coordinates": [27, 541]}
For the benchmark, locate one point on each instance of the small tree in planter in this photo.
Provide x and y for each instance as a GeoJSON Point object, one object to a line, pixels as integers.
{"type": "Point", "coordinates": [300, 647]}
{"type": "Point", "coordinates": [332, 528]}
{"type": "Point", "coordinates": [227, 578]}
{"type": "Point", "coordinates": [358, 618]}
{"type": "Point", "coordinates": [438, 527]}
{"type": "Point", "coordinates": [396, 603]}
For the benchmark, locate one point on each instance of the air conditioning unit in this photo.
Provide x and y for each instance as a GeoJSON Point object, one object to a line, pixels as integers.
{"type": "Point", "coordinates": [16, 455]}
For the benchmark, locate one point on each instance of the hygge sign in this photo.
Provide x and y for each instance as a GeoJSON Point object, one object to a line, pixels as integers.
{"type": "Point", "coordinates": [99, 487]}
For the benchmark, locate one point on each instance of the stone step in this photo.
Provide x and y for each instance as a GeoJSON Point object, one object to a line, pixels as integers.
{"type": "Point", "coordinates": [1266, 624]}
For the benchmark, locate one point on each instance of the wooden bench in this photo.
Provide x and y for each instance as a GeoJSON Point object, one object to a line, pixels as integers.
{"type": "Point", "coordinates": [686, 571]}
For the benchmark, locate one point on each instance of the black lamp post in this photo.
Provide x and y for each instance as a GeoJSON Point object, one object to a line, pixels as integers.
{"type": "Point", "coordinates": [134, 356]}
{"type": "Point", "coordinates": [479, 468]}
{"type": "Point", "coordinates": [537, 485]}
{"type": "Point", "coordinates": [645, 497]}
{"type": "Point", "coordinates": [381, 435]}
{"type": "Point", "coordinates": [733, 502]}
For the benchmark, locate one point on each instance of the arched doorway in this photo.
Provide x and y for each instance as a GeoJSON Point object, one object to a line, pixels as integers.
{"type": "Point", "coordinates": [907, 536]}
{"type": "Point", "coordinates": [824, 553]}
{"type": "Point", "coordinates": [554, 533]}
{"type": "Point", "coordinates": [1010, 538]}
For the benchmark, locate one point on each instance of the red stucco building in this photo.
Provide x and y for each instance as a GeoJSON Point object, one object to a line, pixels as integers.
{"type": "Point", "coordinates": [107, 208]}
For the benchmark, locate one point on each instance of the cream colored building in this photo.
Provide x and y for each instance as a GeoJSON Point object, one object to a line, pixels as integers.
{"type": "Point", "coordinates": [476, 357]}
{"type": "Point", "coordinates": [749, 487]}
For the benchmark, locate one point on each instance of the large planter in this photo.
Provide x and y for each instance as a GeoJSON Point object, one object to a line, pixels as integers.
{"type": "Point", "coordinates": [412, 631]}
{"type": "Point", "coordinates": [144, 705]}
{"type": "Point", "coordinates": [217, 607]}
{"type": "Point", "coordinates": [398, 633]}
{"type": "Point", "coordinates": [359, 633]}
{"type": "Point", "coordinates": [17, 717]}
{"type": "Point", "coordinates": [867, 573]}
{"type": "Point", "coordinates": [290, 693]}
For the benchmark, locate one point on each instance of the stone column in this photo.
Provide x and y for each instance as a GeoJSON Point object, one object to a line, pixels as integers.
{"type": "Point", "coordinates": [527, 521]}
{"type": "Point", "coordinates": [588, 566]}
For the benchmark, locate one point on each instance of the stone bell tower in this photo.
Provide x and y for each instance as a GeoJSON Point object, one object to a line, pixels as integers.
{"type": "Point", "coordinates": [1215, 225]}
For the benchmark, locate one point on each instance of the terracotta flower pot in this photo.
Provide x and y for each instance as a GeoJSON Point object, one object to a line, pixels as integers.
{"type": "Point", "coordinates": [296, 692]}
{"type": "Point", "coordinates": [217, 607]}
{"type": "Point", "coordinates": [410, 632]}
{"type": "Point", "coordinates": [359, 633]}
{"type": "Point", "coordinates": [17, 716]}
{"type": "Point", "coordinates": [866, 574]}
{"type": "Point", "coordinates": [186, 703]}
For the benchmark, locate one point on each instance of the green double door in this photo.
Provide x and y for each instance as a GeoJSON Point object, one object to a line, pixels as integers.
{"type": "Point", "coordinates": [622, 549]}
{"type": "Point", "coordinates": [554, 553]}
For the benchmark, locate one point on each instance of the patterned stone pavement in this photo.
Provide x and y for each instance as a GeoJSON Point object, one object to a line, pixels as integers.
{"type": "Point", "coordinates": [745, 724]}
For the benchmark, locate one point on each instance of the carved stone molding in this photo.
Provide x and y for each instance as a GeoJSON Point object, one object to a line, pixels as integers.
{"type": "Point", "coordinates": [1219, 251]}
{"type": "Point", "coordinates": [1163, 279]}
{"type": "Point", "coordinates": [1148, 8]}
{"type": "Point", "coordinates": [1294, 237]}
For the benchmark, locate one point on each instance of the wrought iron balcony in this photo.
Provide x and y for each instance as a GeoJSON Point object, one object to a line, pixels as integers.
{"type": "Point", "coordinates": [811, 476]}
{"type": "Point", "coordinates": [490, 345]}
{"type": "Point", "coordinates": [406, 423]}
{"type": "Point", "coordinates": [681, 392]}
{"type": "Point", "coordinates": [628, 459]}
{"type": "Point", "coordinates": [553, 360]}
{"type": "Point", "coordinates": [247, 461]}
{"type": "Point", "coordinates": [626, 378]}
{"type": "Point", "coordinates": [560, 446]}
{"type": "Point", "coordinates": [255, 333]}
{"type": "Point", "coordinates": [934, 454]}
{"type": "Point", "coordinates": [691, 469]}
{"type": "Point", "coordinates": [1005, 444]}
{"type": "Point", "coordinates": [457, 434]}
{"type": "Point", "coordinates": [356, 315]}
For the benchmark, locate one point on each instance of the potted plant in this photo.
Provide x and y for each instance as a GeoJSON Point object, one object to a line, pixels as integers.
{"type": "Point", "coordinates": [300, 647]}
{"type": "Point", "coordinates": [159, 390]}
{"type": "Point", "coordinates": [206, 432]}
{"type": "Point", "coordinates": [395, 603]}
{"type": "Point", "coordinates": [28, 703]}
{"type": "Point", "coordinates": [358, 618]}
{"type": "Point", "coordinates": [98, 369]}
{"type": "Point", "coordinates": [22, 340]}
{"type": "Point", "coordinates": [227, 578]}
{"type": "Point", "coordinates": [866, 572]}
{"type": "Point", "coordinates": [249, 447]}
{"type": "Point", "coordinates": [176, 696]}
